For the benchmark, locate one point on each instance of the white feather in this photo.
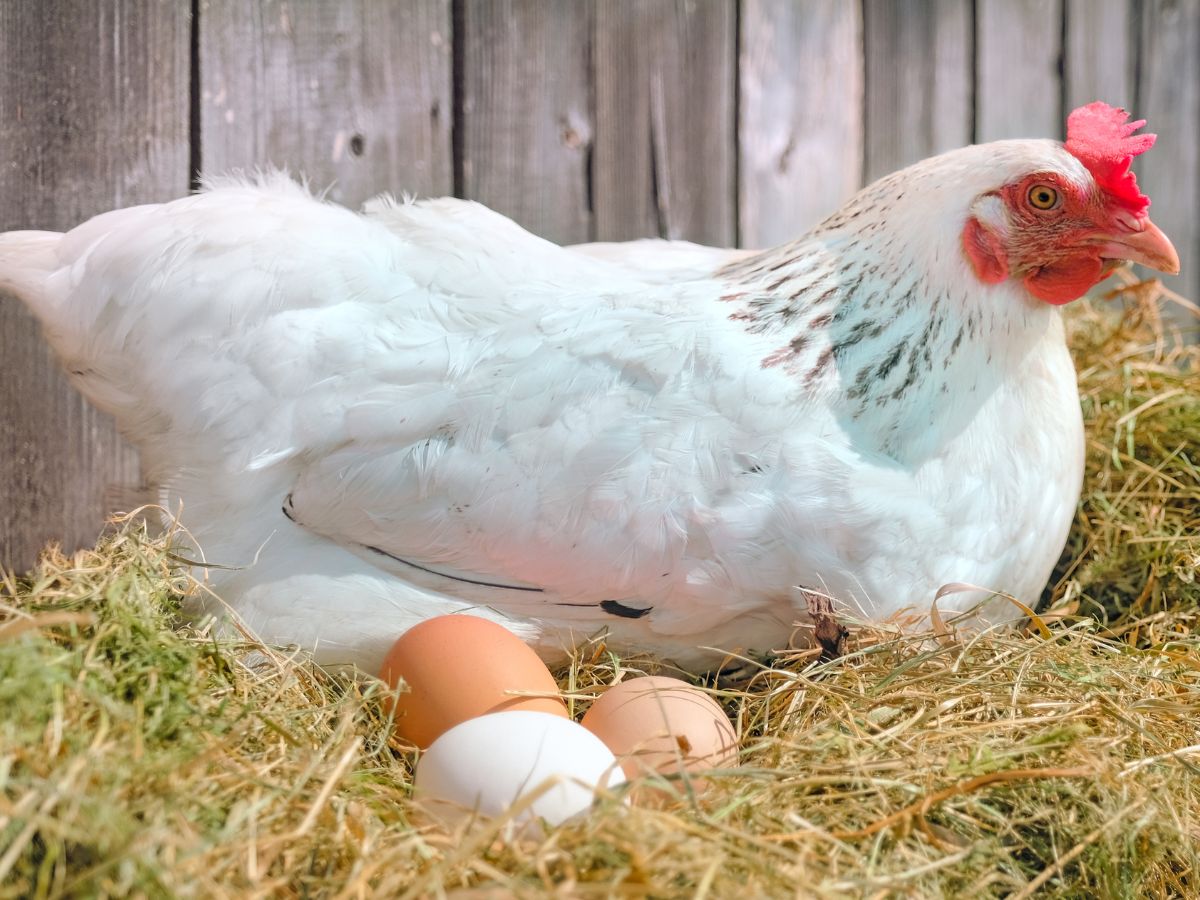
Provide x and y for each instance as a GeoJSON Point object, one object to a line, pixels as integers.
{"type": "Point", "coordinates": [457, 414]}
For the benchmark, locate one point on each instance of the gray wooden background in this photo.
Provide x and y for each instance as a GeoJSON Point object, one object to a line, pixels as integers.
{"type": "Point", "coordinates": [722, 121]}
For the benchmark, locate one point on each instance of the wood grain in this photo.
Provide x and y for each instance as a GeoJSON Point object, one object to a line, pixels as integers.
{"type": "Point", "coordinates": [93, 115]}
{"type": "Point", "coordinates": [1100, 54]}
{"type": "Point", "coordinates": [356, 95]}
{"type": "Point", "coordinates": [526, 123]}
{"type": "Point", "coordinates": [1169, 99]}
{"type": "Point", "coordinates": [665, 144]}
{"type": "Point", "coordinates": [583, 119]}
{"type": "Point", "coordinates": [919, 71]}
{"type": "Point", "coordinates": [1018, 91]}
{"type": "Point", "coordinates": [800, 131]}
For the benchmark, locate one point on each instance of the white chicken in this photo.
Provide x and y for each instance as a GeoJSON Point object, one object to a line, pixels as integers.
{"type": "Point", "coordinates": [373, 419]}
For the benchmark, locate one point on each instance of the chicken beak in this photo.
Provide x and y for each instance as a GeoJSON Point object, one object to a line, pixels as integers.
{"type": "Point", "coordinates": [1147, 246]}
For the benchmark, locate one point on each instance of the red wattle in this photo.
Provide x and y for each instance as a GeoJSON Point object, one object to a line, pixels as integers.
{"type": "Point", "coordinates": [1066, 281]}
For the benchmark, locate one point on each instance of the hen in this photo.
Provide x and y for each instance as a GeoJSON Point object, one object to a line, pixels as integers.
{"type": "Point", "coordinates": [373, 419]}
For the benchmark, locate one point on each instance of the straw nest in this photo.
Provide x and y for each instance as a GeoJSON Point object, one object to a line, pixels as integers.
{"type": "Point", "coordinates": [141, 757]}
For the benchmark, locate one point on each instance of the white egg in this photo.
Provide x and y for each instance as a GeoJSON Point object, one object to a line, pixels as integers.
{"type": "Point", "coordinates": [486, 765]}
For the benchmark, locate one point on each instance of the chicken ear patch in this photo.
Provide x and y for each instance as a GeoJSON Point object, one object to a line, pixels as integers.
{"type": "Point", "coordinates": [985, 252]}
{"type": "Point", "coordinates": [1101, 137]}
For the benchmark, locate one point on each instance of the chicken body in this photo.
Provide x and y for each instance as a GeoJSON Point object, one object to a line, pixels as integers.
{"type": "Point", "coordinates": [373, 419]}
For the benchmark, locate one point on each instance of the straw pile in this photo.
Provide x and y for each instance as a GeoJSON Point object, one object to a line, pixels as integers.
{"type": "Point", "coordinates": [140, 757]}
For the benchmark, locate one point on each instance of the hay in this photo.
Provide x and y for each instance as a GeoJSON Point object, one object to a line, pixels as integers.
{"type": "Point", "coordinates": [140, 757]}
{"type": "Point", "coordinates": [1135, 548]}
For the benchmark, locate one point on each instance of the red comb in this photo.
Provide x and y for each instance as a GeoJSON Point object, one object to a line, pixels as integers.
{"type": "Point", "coordinates": [1099, 136]}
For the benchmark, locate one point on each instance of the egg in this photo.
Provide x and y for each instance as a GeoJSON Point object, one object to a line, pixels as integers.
{"type": "Point", "coordinates": [485, 765]}
{"type": "Point", "coordinates": [457, 667]}
{"type": "Point", "coordinates": [655, 724]}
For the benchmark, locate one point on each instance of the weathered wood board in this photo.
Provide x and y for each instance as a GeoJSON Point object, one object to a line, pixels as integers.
{"type": "Point", "coordinates": [525, 122]}
{"type": "Point", "coordinates": [665, 144]}
{"type": "Point", "coordinates": [918, 81]}
{"type": "Point", "coordinates": [93, 115]}
{"type": "Point", "coordinates": [354, 95]}
{"type": "Point", "coordinates": [718, 121]}
{"type": "Point", "coordinates": [1099, 53]}
{"type": "Point", "coordinates": [800, 134]}
{"type": "Point", "coordinates": [1169, 99]}
{"type": "Point", "coordinates": [1018, 88]}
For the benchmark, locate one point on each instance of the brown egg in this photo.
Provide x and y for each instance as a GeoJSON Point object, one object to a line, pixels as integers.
{"type": "Point", "coordinates": [460, 666]}
{"type": "Point", "coordinates": [655, 724]}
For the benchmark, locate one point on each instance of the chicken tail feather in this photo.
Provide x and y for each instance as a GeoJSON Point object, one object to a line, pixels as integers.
{"type": "Point", "coordinates": [27, 258]}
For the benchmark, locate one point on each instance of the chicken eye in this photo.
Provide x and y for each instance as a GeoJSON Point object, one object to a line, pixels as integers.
{"type": "Point", "coordinates": [1042, 196]}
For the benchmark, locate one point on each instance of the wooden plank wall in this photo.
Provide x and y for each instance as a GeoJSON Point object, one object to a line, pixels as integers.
{"type": "Point", "coordinates": [720, 121]}
{"type": "Point", "coordinates": [93, 115]}
{"type": "Point", "coordinates": [355, 95]}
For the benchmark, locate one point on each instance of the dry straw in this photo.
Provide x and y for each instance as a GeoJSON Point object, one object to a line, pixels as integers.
{"type": "Point", "coordinates": [141, 757]}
